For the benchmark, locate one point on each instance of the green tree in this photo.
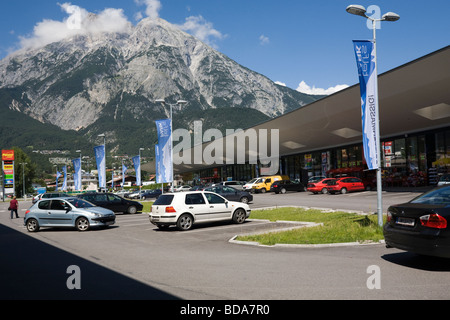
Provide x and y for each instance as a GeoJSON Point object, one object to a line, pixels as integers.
{"type": "Point", "coordinates": [24, 169]}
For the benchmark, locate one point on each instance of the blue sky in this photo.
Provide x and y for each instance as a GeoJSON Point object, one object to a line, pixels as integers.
{"type": "Point", "coordinates": [289, 41]}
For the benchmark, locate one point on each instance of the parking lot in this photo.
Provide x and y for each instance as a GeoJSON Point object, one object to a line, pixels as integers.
{"type": "Point", "coordinates": [135, 260]}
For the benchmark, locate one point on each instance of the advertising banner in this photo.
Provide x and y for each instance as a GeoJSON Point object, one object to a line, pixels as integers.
{"type": "Point", "coordinates": [77, 175]}
{"type": "Point", "coordinates": [101, 165]}
{"type": "Point", "coordinates": [8, 176]}
{"type": "Point", "coordinates": [137, 168]}
{"type": "Point", "coordinates": [64, 185]}
{"type": "Point", "coordinates": [124, 169]}
{"type": "Point", "coordinates": [367, 71]}
{"type": "Point", "coordinates": [164, 129]}
{"type": "Point", "coordinates": [7, 155]}
{"type": "Point", "coordinates": [157, 165]}
{"type": "Point", "coordinates": [58, 175]}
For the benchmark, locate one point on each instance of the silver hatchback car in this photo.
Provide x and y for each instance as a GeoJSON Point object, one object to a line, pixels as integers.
{"type": "Point", "coordinates": [67, 212]}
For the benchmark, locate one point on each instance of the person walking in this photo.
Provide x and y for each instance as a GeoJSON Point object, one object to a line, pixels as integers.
{"type": "Point", "coordinates": [13, 206]}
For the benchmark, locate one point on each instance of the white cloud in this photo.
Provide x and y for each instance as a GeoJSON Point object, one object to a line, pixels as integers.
{"type": "Point", "coordinates": [304, 88]}
{"type": "Point", "coordinates": [201, 29]}
{"type": "Point", "coordinates": [78, 22]}
{"type": "Point", "coordinates": [152, 8]}
{"type": "Point", "coordinates": [264, 40]}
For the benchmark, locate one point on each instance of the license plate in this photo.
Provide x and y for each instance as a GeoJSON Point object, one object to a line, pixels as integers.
{"type": "Point", "coordinates": [405, 221]}
{"type": "Point", "coordinates": [155, 219]}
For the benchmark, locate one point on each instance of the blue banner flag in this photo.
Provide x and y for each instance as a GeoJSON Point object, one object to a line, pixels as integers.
{"type": "Point", "coordinates": [77, 175]}
{"type": "Point", "coordinates": [64, 185]}
{"type": "Point", "coordinates": [101, 165]}
{"type": "Point", "coordinates": [164, 129]}
{"type": "Point", "coordinates": [124, 169]}
{"type": "Point", "coordinates": [58, 174]}
{"type": "Point", "coordinates": [137, 168]}
{"type": "Point", "coordinates": [367, 71]}
{"type": "Point", "coordinates": [157, 165]}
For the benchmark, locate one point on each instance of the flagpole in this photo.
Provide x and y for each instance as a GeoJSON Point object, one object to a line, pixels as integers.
{"type": "Point", "coordinates": [390, 16]}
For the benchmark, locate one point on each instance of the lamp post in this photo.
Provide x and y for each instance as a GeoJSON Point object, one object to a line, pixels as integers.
{"type": "Point", "coordinates": [390, 16]}
{"type": "Point", "coordinates": [23, 177]}
{"type": "Point", "coordinates": [140, 162]}
{"type": "Point", "coordinates": [179, 103]}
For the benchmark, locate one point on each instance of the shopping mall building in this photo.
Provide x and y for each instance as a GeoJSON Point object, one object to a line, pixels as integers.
{"type": "Point", "coordinates": [325, 138]}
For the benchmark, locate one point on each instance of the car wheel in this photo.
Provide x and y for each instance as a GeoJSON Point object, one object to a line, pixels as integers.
{"type": "Point", "coordinates": [131, 210]}
{"type": "Point", "coordinates": [244, 200]}
{"type": "Point", "coordinates": [82, 224]}
{"type": "Point", "coordinates": [32, 225]}
{"type": "Point", "coordinates": [324, 190]}
{"type": "Point", "coordinates": [263, 190]}
{"type": "Point", "coordinates": [239, 216]}
{"type": "Point", "coordinates": [283, 190]}
{"type": "Point", "coordinates": [185, 222]}
{"type": "Point", "coordinates": [343, 191]}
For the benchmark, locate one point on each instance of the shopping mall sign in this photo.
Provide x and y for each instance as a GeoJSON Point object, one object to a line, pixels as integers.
{"type": "Point", "coordinates": [8, 171]}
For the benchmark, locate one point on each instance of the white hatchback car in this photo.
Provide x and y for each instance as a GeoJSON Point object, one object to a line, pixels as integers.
{"type": "Point", "coordinates": [188, 208]}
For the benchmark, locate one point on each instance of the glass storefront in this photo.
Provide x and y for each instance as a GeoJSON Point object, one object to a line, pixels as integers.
{"type": "Point", "coordinates": [408, 161]}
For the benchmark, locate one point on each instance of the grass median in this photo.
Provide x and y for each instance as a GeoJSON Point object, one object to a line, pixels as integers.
{"type": "Point", "coordinates": [338, 227]}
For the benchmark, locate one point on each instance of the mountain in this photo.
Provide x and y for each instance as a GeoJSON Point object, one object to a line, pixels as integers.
{"type": "Point", "coordinates": [108, 83]}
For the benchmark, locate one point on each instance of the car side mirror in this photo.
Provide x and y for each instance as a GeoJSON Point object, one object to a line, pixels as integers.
{"type": "Point", "coordinates": [68, 208]}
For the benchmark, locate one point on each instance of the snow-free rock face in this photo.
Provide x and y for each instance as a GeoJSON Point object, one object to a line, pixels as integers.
{"type": "Point", "coordinates": [75, 82]}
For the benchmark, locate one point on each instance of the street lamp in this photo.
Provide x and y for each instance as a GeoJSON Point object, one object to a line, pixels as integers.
{"type": "Point", "coordinates": [23, 175]}
{"type": "Point", "coordinates": [179, 103]}
{"type": "Point", "coordinates": [390, 16]}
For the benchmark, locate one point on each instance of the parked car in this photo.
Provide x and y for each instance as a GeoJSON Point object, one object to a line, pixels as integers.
{"type": "Point", "coordinates": [265, 185]}
{"type": "Point", "coordinates": [249, 185]}
{"type": "Point", "coordinates": [112, 202]}
{"type": "Point", "coordinates": [319, 186]}
{"type": "Point", "coordinates": [182, 188]}
{"type": "Point", "coordinates": [282, 186]}
{"type": "Point", "coordinates": [231, 193]}
{"type": "Point", "coordinates": [444, 179]}
{"type": "Point", "coordinates": [421, 225]}
{"type": "Point", "coordinates": [234, 184]}
{"type": "Point", "coordinates": [136, 195]}
{"type": "Point", "coordinates": [184, 209]}
{"type": "Point", "coordinates": [346, 184]}
{"type": "Point", "coordinates": [148, 194]}
{"type": "Point", "coordinates": [49, 195]}
{"type": "Point", "coordinates": [67, 212]}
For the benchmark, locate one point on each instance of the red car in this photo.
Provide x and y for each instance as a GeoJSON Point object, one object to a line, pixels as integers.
{"type": "Point", "coordinates": [346, 184]}
{"type": "Point", "coordinates": [320, 186]}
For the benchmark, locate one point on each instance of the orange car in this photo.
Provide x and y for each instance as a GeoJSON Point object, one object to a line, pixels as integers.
{"type": "Point", "coordinates": [319, 186]}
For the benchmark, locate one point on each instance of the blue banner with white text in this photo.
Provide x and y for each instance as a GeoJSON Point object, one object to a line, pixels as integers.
{"type": "Point", "coordinates": [157, 165]}
{"type": "Point", "coordinates": [64, 185]}
{"type": "Point", "coordinates": [137, 169]}
{"type": "Point", "coordinates": [367, 71]}
{"type": "Point", "coordinates": [77, 175]}
{"type": "Point", "coordinates": [164, 129]}
{"type": "Point", "coordinates": [101, 165]}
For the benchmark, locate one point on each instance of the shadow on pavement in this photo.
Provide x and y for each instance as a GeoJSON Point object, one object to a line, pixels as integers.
{"type": "Point", "coordinates": [33, 270]}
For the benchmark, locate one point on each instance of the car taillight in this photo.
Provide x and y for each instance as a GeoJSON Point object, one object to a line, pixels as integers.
{"type": "Point", "coordinates": [433, 221]}
{"type": "Point", "coordinates": [26, 212]}
{"type": "Point", "coordinates": [170, 209]}
{"type": "Point", "coordinates": [389, 216]}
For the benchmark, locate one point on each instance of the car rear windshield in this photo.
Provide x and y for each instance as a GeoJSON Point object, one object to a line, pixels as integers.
{"type": "Point", "coordinates": [164, 200]}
